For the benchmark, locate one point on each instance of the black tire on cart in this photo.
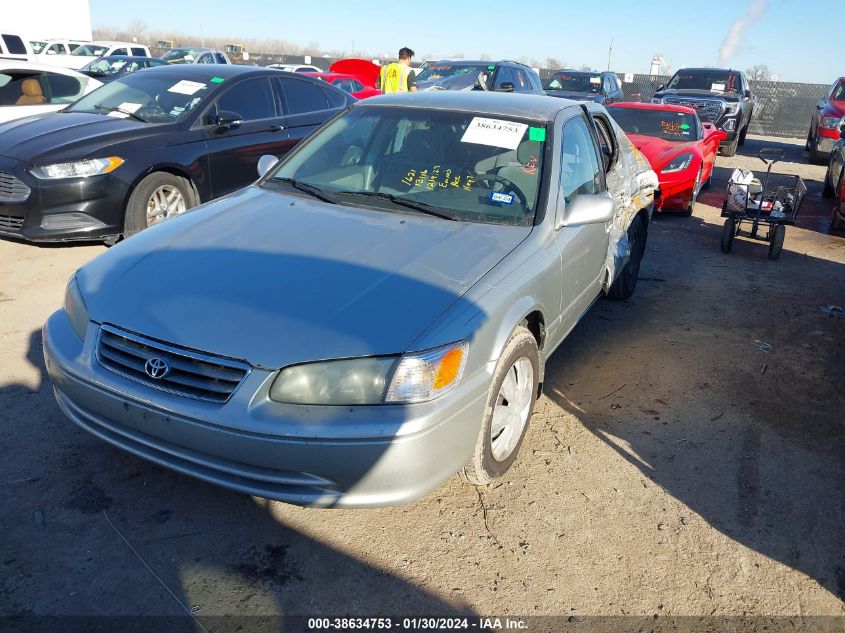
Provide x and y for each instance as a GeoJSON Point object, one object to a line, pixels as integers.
{"type": "Point", "coordinates": [776, 245]}
{"type": "Point", "coordinates": [728, 232]}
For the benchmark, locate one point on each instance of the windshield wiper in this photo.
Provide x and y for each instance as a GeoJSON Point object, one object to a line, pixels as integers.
{"type": "Point", "coordinates": [308, 188]}
{"type": "Point", "coordinates": [122, 111]}
{"type": "Point", "coordinates": [422, 207]}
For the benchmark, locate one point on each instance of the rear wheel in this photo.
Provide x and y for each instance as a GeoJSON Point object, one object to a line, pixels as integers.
{"type": "Point", "coordinates": [157, 197]}
{"type": "Point", "coordinates": [510, 403]}
{"type": "Point", "coordinates": [827, 190]}
{"type": "Point", "coordinates": [624, 285]}
{"type": "Point", "coordinates": [776, 245]}
{"type": "Point", "coordinates": [815, 155]}
{"type": "Point", "coordinates": [728, 233]}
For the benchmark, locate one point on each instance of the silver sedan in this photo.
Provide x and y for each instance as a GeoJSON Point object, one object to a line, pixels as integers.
{"type": "Point", "coordinates": [374, 314]}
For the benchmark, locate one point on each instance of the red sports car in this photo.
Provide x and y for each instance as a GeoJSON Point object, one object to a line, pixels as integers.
{"type": "Point", "coordinates": [680, 148]}
{"type": "Point", "coordinates": [347, 83]}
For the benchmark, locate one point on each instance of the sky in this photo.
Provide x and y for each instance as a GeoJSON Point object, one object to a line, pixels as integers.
{"type": "Point", "coordinates": [792, 38]}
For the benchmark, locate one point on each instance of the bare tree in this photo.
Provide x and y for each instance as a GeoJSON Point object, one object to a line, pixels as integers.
{"type": "Point", "coordinates": [554, 63]}
{"type": "Point", "coordinates": [759, 72]}
{"type": "Point", "coordinates": [484, 57]}
{"type": "Point", "coordinates": [586, 67]}
{"type": "Point", "coordinates": [137, 30]}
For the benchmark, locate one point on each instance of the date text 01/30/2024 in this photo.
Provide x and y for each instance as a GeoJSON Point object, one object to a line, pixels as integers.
{"type": "Point", "coordinates": [416, 624]}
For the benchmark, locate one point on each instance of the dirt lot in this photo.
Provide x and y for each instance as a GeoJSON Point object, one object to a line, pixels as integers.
{"type": "Point", "coordinates": [672, 467]}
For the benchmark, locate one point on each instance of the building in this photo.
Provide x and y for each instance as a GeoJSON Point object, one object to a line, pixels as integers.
{"type": "Point", "coordinates": [48, 19]}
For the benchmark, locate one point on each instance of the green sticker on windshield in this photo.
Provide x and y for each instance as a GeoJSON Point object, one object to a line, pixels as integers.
{"type": "Point", "coordinates": [685, 126]}
{"type": "Point", "coordinates": [216, 80]}
{"type": "Point", "coordinates": [537, 134]}
{"type": "Point", "coordinates": [491, 68]}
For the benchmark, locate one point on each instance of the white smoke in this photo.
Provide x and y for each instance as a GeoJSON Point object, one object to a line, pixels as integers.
{"type": "Point", "coordinates": [729, 45]}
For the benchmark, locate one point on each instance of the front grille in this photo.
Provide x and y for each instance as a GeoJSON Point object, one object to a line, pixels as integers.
{"type": "Point", "coordinates": [12, 189]}
{"type": "Point", "coordinates": [707, 109]}
{"type": "Point", "coordinates": [10, 223]}
{"type": "Point", "coordinates": [191, 374]}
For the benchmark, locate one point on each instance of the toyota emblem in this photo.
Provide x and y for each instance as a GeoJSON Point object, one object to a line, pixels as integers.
{"type": "Point", "coordinates": [157, 368]}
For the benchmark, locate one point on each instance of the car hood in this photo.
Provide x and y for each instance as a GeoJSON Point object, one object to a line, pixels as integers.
{"type": "Point", "coordinates": [659, 151]}
{"type": "Point", "coordinates": [463, 81]}
{"type": "Point", "coordinates": [67, 135]}
{"type": "Point", "coordinates": [274, 279]}
{"type": "Point", "coordinates": [576, 96]}
{"type": "Point", "coordinates": [699, 94]}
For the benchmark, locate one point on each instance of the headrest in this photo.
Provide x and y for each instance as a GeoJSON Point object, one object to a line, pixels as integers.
{"type": "Point", "coordinates": [31, 88]}
{"type": "Point", "coordinates": [527, 150]}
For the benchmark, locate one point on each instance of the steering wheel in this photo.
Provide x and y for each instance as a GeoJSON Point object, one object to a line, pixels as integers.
{"type": "Point", "coordinates": [490, 177]}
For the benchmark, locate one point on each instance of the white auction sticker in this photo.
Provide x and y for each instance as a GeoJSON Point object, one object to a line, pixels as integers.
{"type": "Point", "coordinates": [717, 87]}
{"type": "Point", "coordinates": [494, 132]}
{"type": "Point", "coordinates": [595, 80]}
{"type": "Point", "coordinates": [186, 87]}
{"type": "Point", "coordinates": [125, 109]}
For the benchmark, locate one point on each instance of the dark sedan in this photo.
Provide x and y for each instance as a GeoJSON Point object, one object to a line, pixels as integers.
{"type": "Point", "coordinates": [150, 145]}
{"type": "Point", "coordinates": [834, 182]}
{"type": "Point", "coordinates": [109, 68]}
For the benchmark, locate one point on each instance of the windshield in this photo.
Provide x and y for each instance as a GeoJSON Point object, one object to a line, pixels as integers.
{"type": "Point", "coordinates": [180, 55]}
{"type": "Point", "coordinates": [713, 80]}
{"type": "Point", "coordinates": [91, 50]}
{"type": "Point", "coordinates": [440, 70]}
{"type": "Point", "coordinates": [466, 167]}
{"type": "Point", "coordinates": [105, 66]}
{"type": "Point", "coordinates": [574, 82]}
{"type": "Point", "coordinates": [670, 126]}
{"type": "Point", "coordinates": [838, 93]}
{"type": "Point", "coordinates": [150, 97]}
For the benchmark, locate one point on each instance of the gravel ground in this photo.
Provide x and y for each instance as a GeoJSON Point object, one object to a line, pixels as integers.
{"type": "Point", "coordinates": [672, 467]}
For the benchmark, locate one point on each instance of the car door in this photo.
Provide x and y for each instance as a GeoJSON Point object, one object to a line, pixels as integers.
{"type": "Point", "coordinates": [583, 248]}
{"type": "Point", "coordinates": [710, 144]}
{"type": "Point", "coordinates": [306, 106]}
{"type": "Point", "coordinates": [234, 150]}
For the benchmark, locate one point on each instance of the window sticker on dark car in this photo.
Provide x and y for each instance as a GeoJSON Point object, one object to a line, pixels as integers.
{"type": "Point", "coordinates": [185, 87]}
{"type": "Point", "coordinates": [494, 132]}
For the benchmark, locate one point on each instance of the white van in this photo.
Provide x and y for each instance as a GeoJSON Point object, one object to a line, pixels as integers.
{"type": "Point", "coordinates": [13, 46]}
{"type": "Point", "coordinates": [90, 51]}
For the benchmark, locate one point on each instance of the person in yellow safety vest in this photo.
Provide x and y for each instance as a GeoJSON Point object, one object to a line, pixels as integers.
{"type": "Point", "coordinates": [398, 76]}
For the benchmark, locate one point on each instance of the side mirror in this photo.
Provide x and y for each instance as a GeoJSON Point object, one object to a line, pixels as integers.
{"type": "Point", "coordinates": [228, 120]}
{"type": "Point", "coordinates": [265, 164]}
{"type": "Point", "coordinates": [660, 88]}
{"type": "Point", "coordinates": [506, 86]}
{"type": "Point", "coordinates": [747, 94]}
{"type": "Point", "coordinates": [585, 209]}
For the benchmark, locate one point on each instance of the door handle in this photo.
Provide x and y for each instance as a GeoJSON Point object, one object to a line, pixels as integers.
{"type": "Point", "coordinates": [275, 128]}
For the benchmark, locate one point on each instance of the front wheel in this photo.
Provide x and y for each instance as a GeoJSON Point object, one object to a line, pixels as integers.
{"type": "Point", "coordinates": [776, 245]}
{"type": "Point", "coordinates": [742, 136]}
{"type": "Point", "coordinates": [158, 196]}
{"type": "Point", "coordinates": [696, 187]}
{"type": "Point", "coordinates": [510, 403]}
{"type": "Point", "coordinates": [623, 287]}
{"type": "Point", "coordinates": [730, 148]}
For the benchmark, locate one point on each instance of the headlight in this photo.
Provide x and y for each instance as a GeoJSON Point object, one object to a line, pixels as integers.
{"type": "Point", "coordinates": [679, 163]}
{"type": "Point", "coordinates": [75, 308]}
{"type": "Point", "coordinates": [427, 375]}
{"type": "Point", "coordinates": [337, 382]}
{"type": "Point", "coordinates": [78, 169]}
{"type": "Point", "coordinates": [364, 381]}
{"type": "Point", "coordinates": [830, 122]}
{"type": "Point", "coordinates": [731, 109]}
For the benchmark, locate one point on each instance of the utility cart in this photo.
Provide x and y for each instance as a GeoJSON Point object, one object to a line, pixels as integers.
{"type": "Point", "coordinates": [758, 210]}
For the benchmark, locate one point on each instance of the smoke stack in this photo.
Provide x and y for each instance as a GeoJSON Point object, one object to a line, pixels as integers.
{"type": "Point", "coordinates": [729, 45]}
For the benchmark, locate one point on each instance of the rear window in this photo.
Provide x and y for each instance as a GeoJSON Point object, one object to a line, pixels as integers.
{"type": "Point", "coordinates": [303, 96]}
{"type": "Point", "coordinates": [574, 82]}
{"type": "Point", "coordinates": [139, 52]}
{"type": "Point", "coordinates": [14, 45]}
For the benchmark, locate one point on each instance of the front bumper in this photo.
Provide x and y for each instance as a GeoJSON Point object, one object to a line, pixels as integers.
{"type": "Point", "coordinates": [675, 190]}
{"type": "Point", "coordinates": [824, 144]}
{"type": "Point", "coordinates": [306, 455]}
{"type": "Point", "coordinates": [63, 210]}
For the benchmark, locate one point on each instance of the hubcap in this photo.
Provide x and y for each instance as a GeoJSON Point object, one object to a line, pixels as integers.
{"type": "Point", "coordinates": [513, 404]}
{"type": "Point", "coordinates": [165, 201]}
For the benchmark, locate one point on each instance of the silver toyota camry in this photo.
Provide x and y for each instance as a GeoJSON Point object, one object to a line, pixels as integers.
{"type": "Point", "coordinates": [373, 314]}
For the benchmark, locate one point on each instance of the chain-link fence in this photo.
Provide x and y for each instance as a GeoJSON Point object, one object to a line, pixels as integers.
{"type": "Point", "coordinates": [780, 109]}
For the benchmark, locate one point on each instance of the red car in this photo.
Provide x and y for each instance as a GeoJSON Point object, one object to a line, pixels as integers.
{"type": "Point", "coordinates": [347, 83]}
{"type": "Point", "coordinates": [680, 148]}
{"type": "Point", "coordinates": [827, 119]}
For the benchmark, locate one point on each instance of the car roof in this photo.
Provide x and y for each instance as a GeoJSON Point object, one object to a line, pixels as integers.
{"type": "Point", "coordinates": [202, 49]}
{"type": "Point", "coordinates": [720, 70]}
{"type": "Point", "coordinates": [113, 43]}
{"type": "Point", "coordinates": [19, 64]}
{"type": "Point", "coordinates": [329, 75]}
{"type": "Point", "coordinates": [132, 58]}
{"type": "Point", "coordinates": [665, 107]}
{"type": "Point", "coordinates": [202, 72]}
{"type": "Point", "coordinates": [523, 106]}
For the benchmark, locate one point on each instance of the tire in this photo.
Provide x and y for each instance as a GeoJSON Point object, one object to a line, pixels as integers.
{"type": "Point", "coordinates": [742, 136]}
{"type": "Point", "coordinates": [730, 148]}
{"type": "Point", "coordinates": [815, 157]}
{"type": "Point", "coordinates": [728, 233]}
{"type": "Point", "coordinates": [827, 190]}
{"type": "Point", "coordinates": [696, 187]}
{"type": "Point", "coordinates": [496, 449]}
{"type": "Point", "coordinates": [154, 188]}
{"type": "Point", "coordinates": [776, 245]}
{"type": "Point", "coordinates": [623, 287]}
